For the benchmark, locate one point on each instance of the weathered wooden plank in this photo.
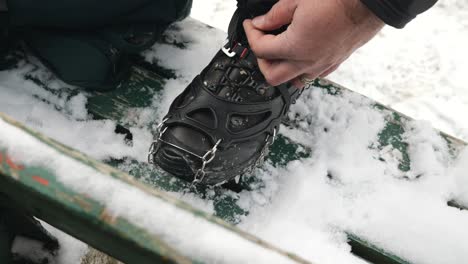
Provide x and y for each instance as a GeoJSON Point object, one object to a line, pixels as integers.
{"type": "Point", "coordinates": [37, 190]}
{"type": "Point", "coordinates": [372, 253]}
{"type": "Point", "coordinates": [137, 92]}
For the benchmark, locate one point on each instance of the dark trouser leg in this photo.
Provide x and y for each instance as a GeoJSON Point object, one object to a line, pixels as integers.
{"type": "Point", "coordinates": [90, 14]}
{"type": "Point", "coordinates": [86, 43]}
{"type": "Point", "coordinates": [5, 241]}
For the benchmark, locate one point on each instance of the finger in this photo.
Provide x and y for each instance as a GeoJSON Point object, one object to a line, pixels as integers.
{"type": "Point", "coordinates": [279, 15]}
{"type": "Point", "coordinates": [304, 80]}
{"type": "Point", "coordinates": [265, 46]}
{"type": "Point", "coordinates": [278, 72]}
{"type": "Point", "coordinates": [298, 83]}
{"type": "Point", "coordinates": [329, 70]}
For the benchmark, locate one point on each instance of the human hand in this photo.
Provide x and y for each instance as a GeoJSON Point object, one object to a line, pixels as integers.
{"type": "Point", "coordinates": [320, 36]}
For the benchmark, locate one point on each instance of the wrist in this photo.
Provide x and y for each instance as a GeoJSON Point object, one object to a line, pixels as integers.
{"type": "Point", "coordinates": [360, 14]}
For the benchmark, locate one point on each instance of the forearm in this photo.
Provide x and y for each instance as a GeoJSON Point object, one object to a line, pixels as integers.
{"type": "Point", "coordinates": [398, 13]}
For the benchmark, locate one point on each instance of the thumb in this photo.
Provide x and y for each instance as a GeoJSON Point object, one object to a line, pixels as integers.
{"type": "Point", "coordinates": [280, 14]}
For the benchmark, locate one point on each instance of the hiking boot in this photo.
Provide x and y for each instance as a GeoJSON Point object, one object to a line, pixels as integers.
{"type": "Point", "coordinates": [222, 125]}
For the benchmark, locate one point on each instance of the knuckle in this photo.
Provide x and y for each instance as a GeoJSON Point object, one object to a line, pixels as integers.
{"type": "Point", "coordinates": [272, 15]}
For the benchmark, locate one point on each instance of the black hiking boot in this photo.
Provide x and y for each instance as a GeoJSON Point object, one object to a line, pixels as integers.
{"type": "Point", "coordinates": [222, 125]}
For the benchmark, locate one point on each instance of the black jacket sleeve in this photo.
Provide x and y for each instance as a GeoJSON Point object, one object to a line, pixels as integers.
{"type": "Point", "coordinates": [3, 5]}
{"type": "Point", "coordinates": [397, 13]}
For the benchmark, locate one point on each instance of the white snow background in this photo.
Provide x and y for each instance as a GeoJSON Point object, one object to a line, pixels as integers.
{"type": "Point", "coordinates": [419, 70]}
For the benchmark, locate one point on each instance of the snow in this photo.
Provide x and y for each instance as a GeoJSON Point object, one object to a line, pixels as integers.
{"type": "Point", "coordinates": [365, 196]}
{"type": "Point", "coordinates": [70, 124]}
{"type": "Point", "coordinates": [30, 249]}
{"type": "Point", "coordinates": [460, 171]}
{"type": "Point", "coordinates": [71, 250]}
{"type": "Point", "coordinates": [216, 13]}
{"type": "Point", "coordinates": [301, 209]}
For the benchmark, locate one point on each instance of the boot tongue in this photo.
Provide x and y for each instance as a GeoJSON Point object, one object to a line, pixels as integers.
{"type": "Point", "coordinates": [238, 79]}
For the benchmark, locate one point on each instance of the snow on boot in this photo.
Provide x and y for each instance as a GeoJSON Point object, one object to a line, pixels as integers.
{"type": "Point", "coordinates": [222, 125]}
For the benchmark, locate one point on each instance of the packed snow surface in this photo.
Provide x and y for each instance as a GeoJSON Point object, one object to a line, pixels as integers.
{"type": "Point", "coordinates": [301, 208]}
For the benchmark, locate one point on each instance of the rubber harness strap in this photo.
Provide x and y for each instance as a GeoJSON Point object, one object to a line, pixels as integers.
{"type": "Point", "coordinates": [222, 111]}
